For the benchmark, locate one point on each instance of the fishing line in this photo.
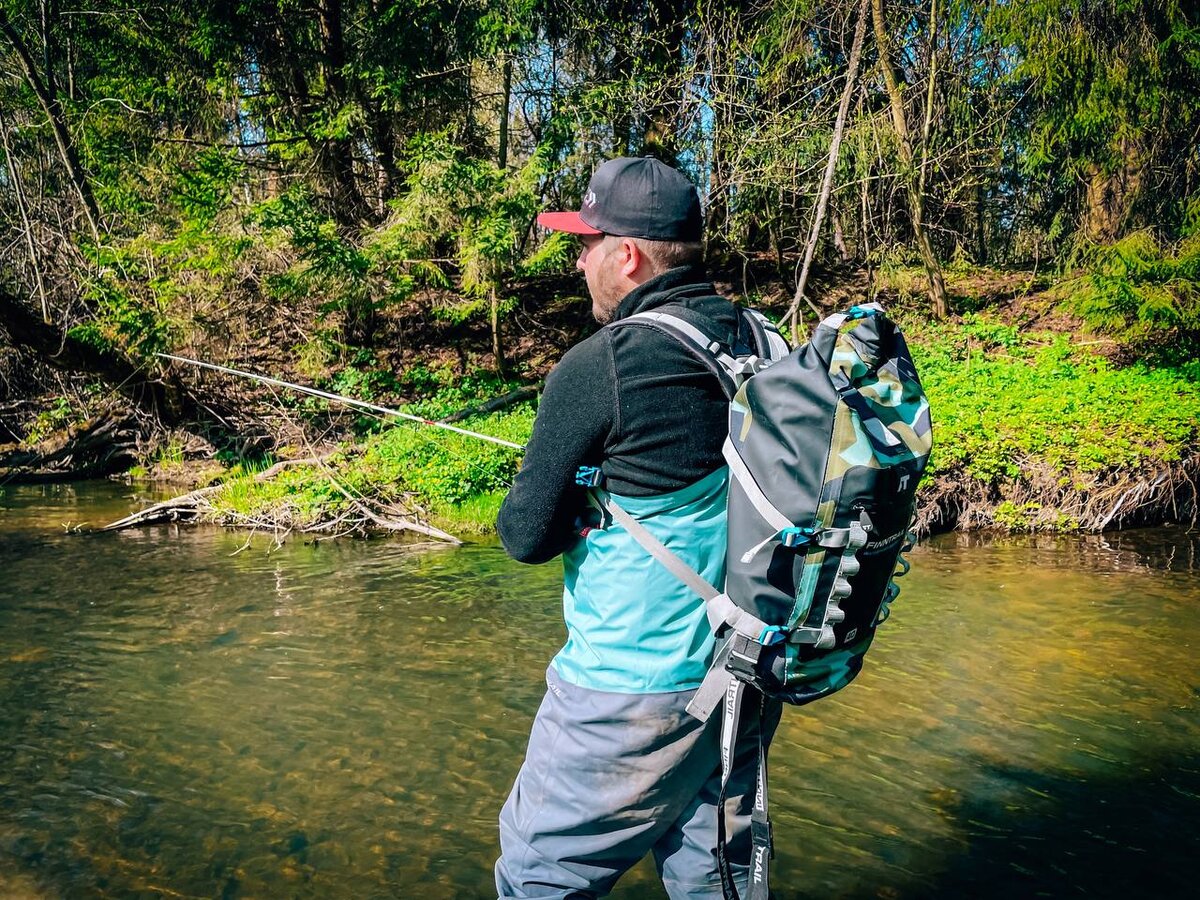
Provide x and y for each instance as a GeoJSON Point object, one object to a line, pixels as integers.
{"type": "Point", "coordinates": [378, 412]}
{"type": "Point", "coordinates": [340, 399]}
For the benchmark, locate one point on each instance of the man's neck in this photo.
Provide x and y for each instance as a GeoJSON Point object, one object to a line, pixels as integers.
{"type": "Point", "coordinates": [648, 294]}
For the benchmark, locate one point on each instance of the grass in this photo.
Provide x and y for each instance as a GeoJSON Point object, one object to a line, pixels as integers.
{"type": "Point", "coordinates": [453, 481]}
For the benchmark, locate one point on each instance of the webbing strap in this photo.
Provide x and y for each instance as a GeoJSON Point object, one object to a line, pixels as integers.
{"type": "Point", "coordinates": [603, 501]}
{"type": "Point", "coordinates": [761, 849]}
{"type": "Point", "coordinates": [837, 320]}
{"type": "Point", "coordinates": [696, 336]}
{"type": "Point", "coordinates": [762, 842]}
{"type": "Point", "coordinates": [729, 730]}
{"type": "Point", "coordinates": [739, 470]}
{"type": "Point", "coordinates": [882, 438]}
{"type": "Point", "coordinates": [721, 610]}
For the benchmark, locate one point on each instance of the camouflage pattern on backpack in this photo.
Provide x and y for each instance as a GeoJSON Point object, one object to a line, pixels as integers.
{"type": "Point", "coordinates": [826, 449]}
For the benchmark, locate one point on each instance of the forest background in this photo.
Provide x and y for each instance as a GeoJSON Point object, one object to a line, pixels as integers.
{"type": "Point", "coordinates": [342, 192]}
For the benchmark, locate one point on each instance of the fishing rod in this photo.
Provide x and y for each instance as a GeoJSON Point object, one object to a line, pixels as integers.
{"type": "Point", "coordinates": [349, 401]}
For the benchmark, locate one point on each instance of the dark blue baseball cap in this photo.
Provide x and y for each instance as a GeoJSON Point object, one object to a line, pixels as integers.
{"type": "Point", "coordinates": [635, 197]}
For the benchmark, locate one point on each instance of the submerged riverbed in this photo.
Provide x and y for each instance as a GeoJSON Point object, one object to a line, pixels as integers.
{"type": "Point", "coordinates": [186, 712]}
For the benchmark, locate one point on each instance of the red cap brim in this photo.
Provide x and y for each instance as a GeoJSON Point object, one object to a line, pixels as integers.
{"type": "Point", "coordinates": [566, 221]}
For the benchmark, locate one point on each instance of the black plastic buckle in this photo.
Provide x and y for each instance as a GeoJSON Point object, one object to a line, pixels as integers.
{"type": "Point", "coordinates": [763, 835]}
{"type": "Point", "coordinates": [743, 656]}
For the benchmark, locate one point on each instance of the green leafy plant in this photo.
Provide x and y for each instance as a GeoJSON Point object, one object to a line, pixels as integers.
{"type": "Point", "coordinates": [59, 415]}
{"type": "Point", "coordinates": [1134, 287]}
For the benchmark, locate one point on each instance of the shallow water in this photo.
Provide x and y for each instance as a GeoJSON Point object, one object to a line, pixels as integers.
{"type": "Point", "coordinates": [184, 712]}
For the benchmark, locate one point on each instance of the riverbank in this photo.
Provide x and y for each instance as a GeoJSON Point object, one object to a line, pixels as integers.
{"type": "Point", "coordinates": [1040, 425]}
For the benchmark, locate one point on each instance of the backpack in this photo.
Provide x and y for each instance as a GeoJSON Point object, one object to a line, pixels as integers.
{"type": "Point", "coordinates": [826, 446]}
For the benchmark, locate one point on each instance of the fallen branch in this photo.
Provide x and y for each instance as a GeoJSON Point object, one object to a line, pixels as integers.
{"type": "Point", "coordinates": [497, 403]}
{"type": "Point", "coordinates": [399, 524]}
{"type": "Point", "coordinates": [191, 506]}
{"type": "Point", "coordinates": [188, 506]}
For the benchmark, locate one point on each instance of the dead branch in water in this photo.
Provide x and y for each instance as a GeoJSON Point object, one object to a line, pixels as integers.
{"type": "Point", "coordinates": [195, 505]}
{"type": "Point", "coordinates": [188, 507]}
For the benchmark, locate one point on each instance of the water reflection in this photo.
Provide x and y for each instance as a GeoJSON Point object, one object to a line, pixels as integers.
{"type": "Point", "coordinates": [343, 719]}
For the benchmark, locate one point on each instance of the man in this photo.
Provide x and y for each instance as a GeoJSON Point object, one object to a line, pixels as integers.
{"type": "Point", "coordinates": [616, 768]}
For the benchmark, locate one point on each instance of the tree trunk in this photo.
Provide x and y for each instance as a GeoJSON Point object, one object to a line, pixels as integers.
{"type": "Point", "coordinates": [497, 347]}
{"type": "Point", "coordinates": [981, 252]}
{"type": "Point", "coordinates": [506, 94]}
{"type": "Point", "coordinates": [665, 20]}
{"type": "Point", "coordinates": [62, 137]}
{"type": "Point", "coordinates": [1112, 194]}
{"type": "Point", "coordinates": [167, 400]}
{"type": "Point", "coordinates": [913, 180]}
{"type": "Point", "coordinates": [336, 152]}
{"type": "Point", "coordinates": [839, 239]}
{"type": "Point", "coordinates": [23, 207]}
{"type": "Point", "coordinates": [830, 166]}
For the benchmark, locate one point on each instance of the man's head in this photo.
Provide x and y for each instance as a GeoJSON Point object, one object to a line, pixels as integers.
{"type": "Point", "coordinates": [640, 217]}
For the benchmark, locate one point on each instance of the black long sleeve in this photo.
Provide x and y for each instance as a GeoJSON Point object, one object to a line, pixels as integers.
{"type": "Point", "coordinates": [574, 419]}
{"type": "Point", "coordinates": [631, 400]}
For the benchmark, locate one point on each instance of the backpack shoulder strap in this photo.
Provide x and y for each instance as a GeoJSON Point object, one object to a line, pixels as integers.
{"type": "Point", "coordinates": [769, 344]}
{"type": "Point", "coordinates": [731, 371]}
{"type": "Point", "coordinates": [705, 349]}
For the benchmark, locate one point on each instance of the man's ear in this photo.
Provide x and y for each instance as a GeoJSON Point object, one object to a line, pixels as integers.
{"type": "Point", "coordinates": [630, 258]}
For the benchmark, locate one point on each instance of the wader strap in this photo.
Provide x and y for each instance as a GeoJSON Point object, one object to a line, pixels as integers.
{"type": "Point", "coordinates": [762, 848]}
{"type": "Point", "coordinates": [712, 690]}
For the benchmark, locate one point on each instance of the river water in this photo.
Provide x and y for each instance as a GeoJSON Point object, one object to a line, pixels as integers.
{"type": "Point", "coordinates": [192, 713]}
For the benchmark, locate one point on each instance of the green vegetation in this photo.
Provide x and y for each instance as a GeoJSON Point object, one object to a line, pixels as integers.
{"type": "Point", "coordinates": [343, 193]}
{"type": "Point", "coordinates": [1037, 429]}
{"type": "Point", "coordinates": [455, 481]}
{"type": "Point", "coordinates": [1005, 400]}
{"type": "Point", "coordinates": [1136, 290]}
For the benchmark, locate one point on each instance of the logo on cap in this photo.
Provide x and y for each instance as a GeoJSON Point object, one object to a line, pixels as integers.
{"type": "Point", "coordinates": [590, 200]}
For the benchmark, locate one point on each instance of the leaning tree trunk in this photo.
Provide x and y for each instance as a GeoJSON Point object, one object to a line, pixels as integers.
{"type": "Point", "coordinates": [164, 398]}
{"type": "Point", "coordinates": [830, 166]}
